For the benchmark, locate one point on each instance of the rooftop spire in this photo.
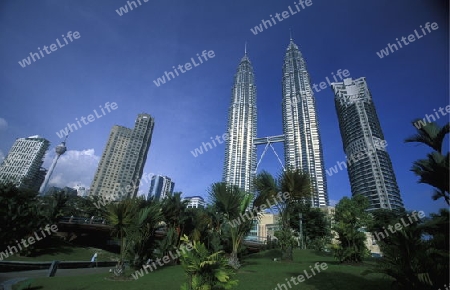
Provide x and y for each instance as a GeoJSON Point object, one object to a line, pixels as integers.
{"type": "Point", "coordinates": [290, 34]}
{"type": "Point", "coordinates": [65, 138]}
{"type": "Point", "coordinates": [245, 57]}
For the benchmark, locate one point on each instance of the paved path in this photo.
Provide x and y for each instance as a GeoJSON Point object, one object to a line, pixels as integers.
{"type": "Point", "coordinates": [10, 278]}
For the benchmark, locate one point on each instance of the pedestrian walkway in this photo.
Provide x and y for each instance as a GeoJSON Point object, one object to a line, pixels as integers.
{"type": "Point", "coordinates": [10, 278]}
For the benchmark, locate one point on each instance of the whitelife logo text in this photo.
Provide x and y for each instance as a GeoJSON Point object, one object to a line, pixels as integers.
{"type": "Point", "coordinates": [300, 278]}
{"type": "Point", "coordinates": [31, 240]}
{"type": "Point", "coordinates": [187, 66]}
{"type": "Point", "coordinates": [35, 56]}
{"type": "Point", "coordinates": [430, 118]}
{"type": "Point", "coordinates": [165, 259]}
{"type": "Point", "coordinates": [398, 226]}
{"type": "Point", "coordinates": [122, 10]}
{"type": "Point", "coordinates": [89, 119]}
{"type": "Point", "coordinates": [199, 151]}
{"type": "Point", "coordinates": [284, 15]}
{"type": "Point", "coordinates": [411, 38]}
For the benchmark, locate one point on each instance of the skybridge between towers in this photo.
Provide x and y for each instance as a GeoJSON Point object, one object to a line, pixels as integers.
{"type": "Point", "coordinates": [268, 141]}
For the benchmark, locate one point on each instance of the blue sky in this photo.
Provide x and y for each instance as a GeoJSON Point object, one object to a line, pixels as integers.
{"type": "Point", "coordinates": [116, 58]}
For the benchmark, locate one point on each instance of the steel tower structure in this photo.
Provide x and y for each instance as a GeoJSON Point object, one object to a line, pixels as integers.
{"type": "Point", "coordinates": [301, 138]}
{"type": "Point", "coordinates": [240, 153]}
{"type": "Point", "coordinates": [59, 150]}
{"type": "Point", "coordinates": [302, 145]}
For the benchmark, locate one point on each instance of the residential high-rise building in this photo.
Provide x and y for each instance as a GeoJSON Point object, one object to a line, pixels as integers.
{"type": "Point", "coordinates": [40, 178]}
{"type": "Point", "coordinates": [122, 163]}
{"type": "Point", "coordinates": [22, 165]}
{"type": "Point", "coordinates": [240, 150]}
{"type": "Point", "coordinates": [302, 143]}
{"type": "Point", "coordinates": [160, 187]}
{"type": "Point", "coordinates": [369, 165]}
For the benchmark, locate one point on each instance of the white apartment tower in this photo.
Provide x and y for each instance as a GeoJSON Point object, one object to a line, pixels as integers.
{"type": "Point", "coordinates": [23, 164]}
{"type": "Point", "coordinates": [372, 174]}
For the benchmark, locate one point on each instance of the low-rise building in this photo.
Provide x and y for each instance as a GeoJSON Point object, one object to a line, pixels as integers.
{"type": "Point", "coordinates": [195, 201]}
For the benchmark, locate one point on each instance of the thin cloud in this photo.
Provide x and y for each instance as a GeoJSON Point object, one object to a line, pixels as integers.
{"type": "Point", "coordinates": [74, 168]}
{"type": "Point", "coordinates": [333, 202]}
{"type": "Point", "coordinates": [3, 124]}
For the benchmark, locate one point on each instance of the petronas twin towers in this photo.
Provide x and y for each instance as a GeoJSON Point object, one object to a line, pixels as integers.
{"type": "Point", "coordinates": [302, 143]}
{"type": "Point", "coordinates": [240, 152]}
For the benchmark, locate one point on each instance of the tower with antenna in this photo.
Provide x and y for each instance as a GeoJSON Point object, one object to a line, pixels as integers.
{"type": "Point", "coordinates": [59, 150]}
{"type": "Point", "coordinates": [301, 136]}
{"type": "Point", "coordinates": [240, 152]}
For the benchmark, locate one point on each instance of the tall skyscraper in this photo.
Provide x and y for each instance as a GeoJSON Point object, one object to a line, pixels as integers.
{"type": "Point", "coordinates": [369, 165]}
{"type": "Point", "coordinates": [160, 187]}
{"type": "Point", "coordinates": [302, 143]}
{"type": "Point", "coordinates": [240, 151]}
{"type": "Point", "coordinates": [22, 165]}
{"type": "Point", "coordinates": [122, 163]}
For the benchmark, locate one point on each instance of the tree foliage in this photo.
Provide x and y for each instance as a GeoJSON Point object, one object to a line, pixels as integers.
{"type": "Point", "coordinates": [19, 215]}
{"type": "Point", "coordinates": [174, 212]}
{"type": "Point", "coordinates": [416, 257]}
{"type": "Point", "coordinates": [351, 219]}
{"type": "Point", "coordinates": [435, 169]}
{"type": "Point", "coordinates": [316, 226]}
{"type": "Point", "coordinates": [134, 222]}
{"type": "Point", "coordinates": [141, 233]}
{"type": "Point", "coordinates": [232, 203]}
{"type": "Point", "coordinates": [120, 217]}
{"type": "Point", "coordinates": [298, 185]}
{"type": "Point", "coordinates": [205, 270]}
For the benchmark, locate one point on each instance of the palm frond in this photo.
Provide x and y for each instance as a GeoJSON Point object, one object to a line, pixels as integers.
{"type": "Point", "coordinates": [430, 134]}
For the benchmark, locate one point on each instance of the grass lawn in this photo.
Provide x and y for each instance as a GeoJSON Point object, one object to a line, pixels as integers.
{"type": "Point", "coordinates": [61, 251]}
{"type": "Point", "coordinates": [68, 253]}
{"type": "Point", "coordinates": [259, 271]}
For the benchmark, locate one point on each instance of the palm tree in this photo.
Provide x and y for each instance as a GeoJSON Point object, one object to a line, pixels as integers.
{"type": "Point", "coordinates": [434, 170]}
{"type": "Point", "coordinates": [298, 185]}
{"type": "Point", "coordinates": [208, 229]}
{"type": "Point", "coordinates": [431, 134]}
{"type": "Point", "coordinates": [205, 270]}
{"type": "Point", "coordinates": [121, 217]}
{"type": "Point", "coordinates": [141, 231]}
{"type": "Point", "coordinates": [232, 203]}
{"type": "Point", "coordinates": [412, 261]}
{"type": "Point", "coordinates": [88, 206]}
{"type": "Point", "coordinates": [199, 222]}
{"type": "Point", "coordinates": [56, 205]}
{"type": "Point", "coordinates": [174, 212]}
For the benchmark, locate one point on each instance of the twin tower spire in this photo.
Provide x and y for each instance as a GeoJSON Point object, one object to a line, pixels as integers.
{"type": "Point", "coordinates": [302, 143]}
